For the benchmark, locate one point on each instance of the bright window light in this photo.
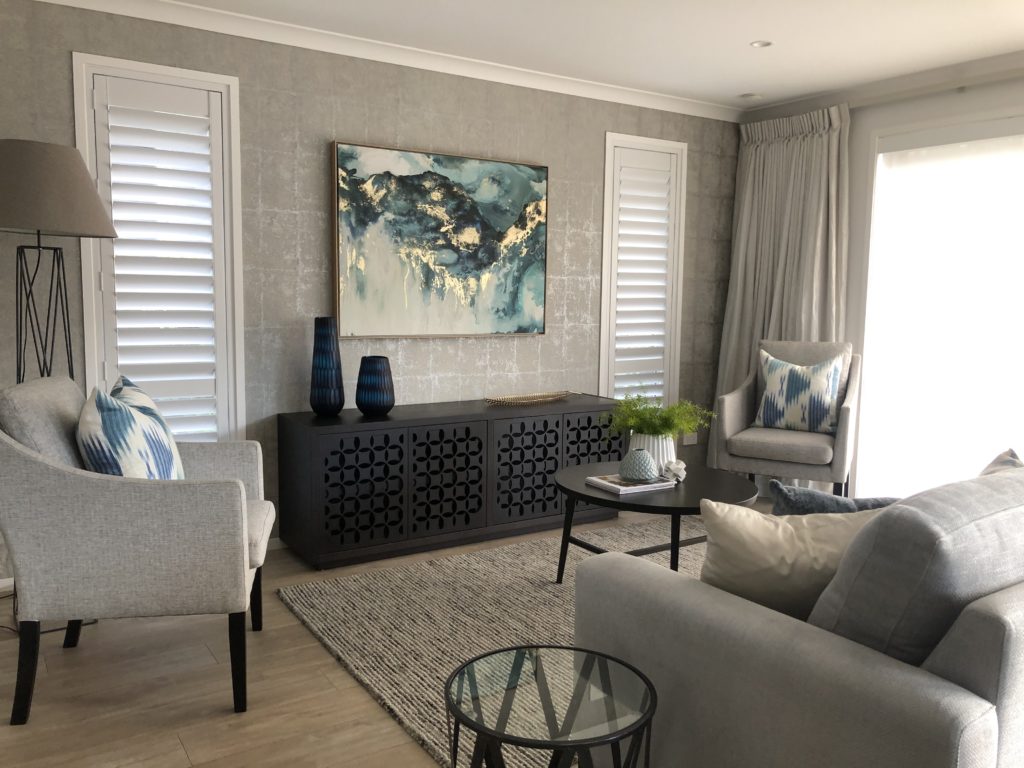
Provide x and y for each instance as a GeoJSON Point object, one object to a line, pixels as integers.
{"type": "Point", "coordinates": [943, 386]}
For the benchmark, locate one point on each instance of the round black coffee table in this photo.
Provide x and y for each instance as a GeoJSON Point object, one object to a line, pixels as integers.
{"type": "Point", "coordinates": [566, 700]}
{"type": "Point", "coordinates": [684, 499]}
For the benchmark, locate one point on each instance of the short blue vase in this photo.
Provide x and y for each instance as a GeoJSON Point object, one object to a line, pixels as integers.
{"type": "Point", "coordinates": [375, 389]}
{"type": "Point", "coordinates": [326, 392]}
{"type": "Point", "coordinates": [638, 466]}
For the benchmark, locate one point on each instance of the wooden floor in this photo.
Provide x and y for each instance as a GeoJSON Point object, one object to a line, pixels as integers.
{"type": "Point", "coordinates": [157, 692]}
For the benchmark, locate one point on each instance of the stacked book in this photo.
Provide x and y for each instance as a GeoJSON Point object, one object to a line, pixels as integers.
{"type": "Point", "coordinates": [616, 484]}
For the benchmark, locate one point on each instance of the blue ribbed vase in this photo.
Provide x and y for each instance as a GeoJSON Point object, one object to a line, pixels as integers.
{"type": "Point", "coordinates": [326, 392]}
{"type": "Point", "coordinates": [375, 389]}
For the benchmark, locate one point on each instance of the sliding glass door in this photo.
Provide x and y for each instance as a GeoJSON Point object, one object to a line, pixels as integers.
{"type": "Point", "coordinates": [943, 388]}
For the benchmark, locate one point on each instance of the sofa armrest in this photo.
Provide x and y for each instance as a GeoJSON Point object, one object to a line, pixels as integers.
{"type": "Point", "coordinates": [233, 460]}
{"type": "Point", "coordinates": [87, 545]}
{"type": "Point", "coordinates": [846, 429]}
{"type": "Point", "coordinates": [984, 652]}
{"type": "Point", "coordinates": [741, 685]}
{"type": "Point", "coordinates": [737, 409]}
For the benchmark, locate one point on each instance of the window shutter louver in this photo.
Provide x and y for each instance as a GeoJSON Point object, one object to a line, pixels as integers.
{"type": "Point", "coordinates": [161, 303]}
{"type": "Point", "coordinates": [641, 318]}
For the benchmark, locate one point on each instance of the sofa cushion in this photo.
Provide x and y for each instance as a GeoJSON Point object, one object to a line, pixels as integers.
{"type": "Point", "coordinates": [782, 445]}
{"type": "Point", "coordinates": [910, 572]}
{"type": "Point", "coordinates": [124, 434]}
{"type": "Point", "coordinates": [42, 415]}
{"type": "Point", "coordinates": [1008, 459]}
{"type": "Point", "coordinates": [799, 397]}
{"type": "Point", "coordinates": [259, 522]}
{"type": "Point", "coordinates": [791, 500]}
{"type": "Point", "coordinates": [780, 562]}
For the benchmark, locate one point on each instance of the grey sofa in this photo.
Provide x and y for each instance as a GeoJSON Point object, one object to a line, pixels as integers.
{"type": "Point", "coordinates": [741, 447]}
{"type": "Point", "coordinates": [86, 545]}
{"type": "Point", "coordinates": [741, 686]}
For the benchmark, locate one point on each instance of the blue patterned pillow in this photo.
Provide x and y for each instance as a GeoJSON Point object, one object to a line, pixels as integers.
{"type": "Point", "coordinates": [799, 397]}
{"type": "Point", "coordinates": [124, 434]}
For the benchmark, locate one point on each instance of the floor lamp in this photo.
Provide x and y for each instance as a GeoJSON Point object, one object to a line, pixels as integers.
{"type": "Point", "coordinates": [45, 189]}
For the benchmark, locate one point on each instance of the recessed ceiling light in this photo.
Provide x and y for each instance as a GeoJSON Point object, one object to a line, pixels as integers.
{"type": "Point", "coordinates": [761, 44]}
{"type": "Point", "coordinates": [751, 96]}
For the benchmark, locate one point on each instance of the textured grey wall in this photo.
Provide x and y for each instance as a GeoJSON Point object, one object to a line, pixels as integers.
{"type": "Point", "coordinates": [293, 103]}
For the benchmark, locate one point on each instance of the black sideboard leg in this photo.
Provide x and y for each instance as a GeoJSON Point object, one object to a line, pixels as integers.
{"type": "Point", "coordinates": [570, 510]}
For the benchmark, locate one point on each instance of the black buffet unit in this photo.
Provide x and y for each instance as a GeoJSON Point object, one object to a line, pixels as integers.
{"type": "Point", "coordinates": [432, 475]}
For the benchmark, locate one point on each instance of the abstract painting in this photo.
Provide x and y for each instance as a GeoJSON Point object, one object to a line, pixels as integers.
{"type": "Point", "coordinates": [438, 245]}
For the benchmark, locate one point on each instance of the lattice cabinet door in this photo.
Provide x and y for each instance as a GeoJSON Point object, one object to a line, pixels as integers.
{"type": "Point", "coordinates": [525, 455]}
{"type": "Point", "coordinates": [365, 488]}
{"type": "Point", "coordinates": [588, 439]}
{"type": "Point", "coordinates": [447, 475]}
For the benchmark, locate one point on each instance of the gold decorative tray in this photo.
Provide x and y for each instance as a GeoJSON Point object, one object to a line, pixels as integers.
{"type": "Point", "coordinates": [532, 399]}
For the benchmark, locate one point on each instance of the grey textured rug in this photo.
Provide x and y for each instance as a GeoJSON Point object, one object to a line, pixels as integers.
{"type": "Point", "coordinates": [401, 631]}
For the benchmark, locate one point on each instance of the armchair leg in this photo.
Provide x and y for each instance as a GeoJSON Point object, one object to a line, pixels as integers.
{"type": "Point", "coordinates": [72, 633]}
{"type": "Point", "coordinates": [256, 601]}
{"type": "Point", "coordinates": [236, 642]}
{"type": "Point", "coordinates": [28, 661]}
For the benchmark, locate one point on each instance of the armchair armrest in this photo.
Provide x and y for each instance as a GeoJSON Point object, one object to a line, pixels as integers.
{"type": "Point", "coordinates": [86, 545]}
{"type": "Point", "coordinates": [741, 685]}
{"type": "Point", "coordinates": [846, 429]}
{"type": "Point", "coordinates": [737, 409]}
{"type": "Point", "coordinates": [235, 460]}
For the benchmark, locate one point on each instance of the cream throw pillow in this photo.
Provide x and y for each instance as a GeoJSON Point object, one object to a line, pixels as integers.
{"type": "Point", "coordinates": [782, 562]}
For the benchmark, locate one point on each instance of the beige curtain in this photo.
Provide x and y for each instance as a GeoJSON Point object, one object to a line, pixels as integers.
{"type": "Point", "coordinates": [788, 275]}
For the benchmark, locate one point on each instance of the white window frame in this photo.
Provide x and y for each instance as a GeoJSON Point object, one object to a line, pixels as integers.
{"type": "Point", "coordinates": [230, 289]}
{"type": "Point", "coordinates": [674, 316]}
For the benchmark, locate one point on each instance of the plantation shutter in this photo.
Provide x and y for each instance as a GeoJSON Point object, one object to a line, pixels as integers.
{"type": "Point", "coordinates": [642, 317]}
{"type": "Point", "coordinates": [159, 161]}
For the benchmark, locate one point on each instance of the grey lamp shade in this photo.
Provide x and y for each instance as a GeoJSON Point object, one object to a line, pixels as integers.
{"type": "Point", "coordinates": [47, 188]}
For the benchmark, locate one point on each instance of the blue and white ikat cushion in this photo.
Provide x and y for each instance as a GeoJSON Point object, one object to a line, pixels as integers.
{"type": "Point", "coordinates": [799, 397]}
{"type": "Point", "coordinates": [124, 434]}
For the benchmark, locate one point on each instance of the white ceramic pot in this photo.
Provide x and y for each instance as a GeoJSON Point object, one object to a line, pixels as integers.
{"type": "Point", "coordinates": [661, 447]}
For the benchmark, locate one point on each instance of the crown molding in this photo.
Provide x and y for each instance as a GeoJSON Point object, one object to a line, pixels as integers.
{"type": "Point", "coordinates": [254, 28]}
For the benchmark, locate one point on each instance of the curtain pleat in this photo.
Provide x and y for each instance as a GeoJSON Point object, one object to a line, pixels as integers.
{"type": "Point", "coordinates": [789, 262]}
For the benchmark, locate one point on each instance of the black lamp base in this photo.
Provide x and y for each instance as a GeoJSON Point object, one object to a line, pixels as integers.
{"type": "Point", "coordinates": [41, 329]}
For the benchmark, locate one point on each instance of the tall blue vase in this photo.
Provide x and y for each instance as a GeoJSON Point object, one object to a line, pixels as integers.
{"type": "Point", "coordinates": [375, 390]}
{"type": "Point", "coordinates": [326, 392]}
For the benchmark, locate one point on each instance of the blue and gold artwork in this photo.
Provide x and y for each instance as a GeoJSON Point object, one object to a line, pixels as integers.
{"type": "Point", "coordinates": [438, 245]}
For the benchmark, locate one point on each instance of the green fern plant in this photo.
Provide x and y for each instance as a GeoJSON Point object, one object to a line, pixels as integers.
{"type": "Point", "coordinates": [637, 414]}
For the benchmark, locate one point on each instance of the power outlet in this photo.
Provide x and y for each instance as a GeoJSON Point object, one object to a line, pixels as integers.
{"type": "Point", "coordinates": [689, 438]}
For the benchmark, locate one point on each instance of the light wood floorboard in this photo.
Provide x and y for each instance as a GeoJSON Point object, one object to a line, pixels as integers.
{"type": "Point", "coordinates": [157, 692]}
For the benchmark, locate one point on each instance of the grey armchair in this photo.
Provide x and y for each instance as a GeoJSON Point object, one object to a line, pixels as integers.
{"type": "Point", "coordinates": [788, 453]}
{"type": "Point", "coordinates": [86, 545]}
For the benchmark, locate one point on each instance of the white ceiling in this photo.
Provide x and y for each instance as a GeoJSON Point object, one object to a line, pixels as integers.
{"type": "Point", "coordinates": [685, 49]}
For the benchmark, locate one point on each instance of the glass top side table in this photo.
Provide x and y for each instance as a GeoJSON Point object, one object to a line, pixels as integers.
{"type": "Point", "coordinates": [566, 700]}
